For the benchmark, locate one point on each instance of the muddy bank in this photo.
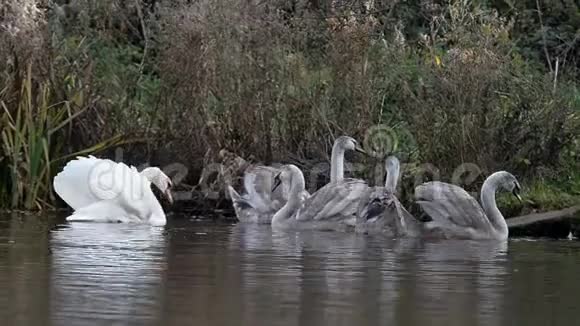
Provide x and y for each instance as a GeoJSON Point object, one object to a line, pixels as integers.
{"type": "Point", "coordinates": [555, 224]}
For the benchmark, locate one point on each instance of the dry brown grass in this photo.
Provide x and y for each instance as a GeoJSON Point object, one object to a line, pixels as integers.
{"type": "Point", "coordinates": [187, 80]}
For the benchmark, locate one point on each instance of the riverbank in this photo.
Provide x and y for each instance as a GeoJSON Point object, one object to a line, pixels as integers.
{"type": "Point", "coordinates": [552, 224]}
{"type": "Point", "coordinates": [457, 91]}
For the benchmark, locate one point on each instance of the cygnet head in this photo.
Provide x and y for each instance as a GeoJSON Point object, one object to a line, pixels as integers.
{"type": "Point", "coordinates": [348, 143]}
{"type": "Point", "coordinates": [508, 182]}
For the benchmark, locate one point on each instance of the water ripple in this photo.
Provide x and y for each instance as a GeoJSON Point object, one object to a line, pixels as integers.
{"type": "Point", "coordinates": [210, 274]}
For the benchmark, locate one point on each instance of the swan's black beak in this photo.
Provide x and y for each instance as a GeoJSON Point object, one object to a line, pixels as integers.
{"type": "Point", "coordinates": [516, 192]}
{"type": "Point", "coordinates": [277, 182]}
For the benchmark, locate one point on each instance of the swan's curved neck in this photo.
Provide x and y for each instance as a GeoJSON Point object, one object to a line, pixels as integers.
{"type": "Point", "coordinates": [337, 163]}
{"type": "Point", "coordinates": [392, 177]}
{"type": "Point", "coordinates": [157, 216]}
{"type": "Point", "coordinates": [297, 185]}
{"type": "Point", "coordinates": [152, 175]}
{"type": "Point", "coordinates": [490, 206]}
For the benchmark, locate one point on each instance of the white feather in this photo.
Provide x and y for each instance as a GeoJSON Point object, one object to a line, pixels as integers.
{"type": "Point", "coordinates": [101, 190]}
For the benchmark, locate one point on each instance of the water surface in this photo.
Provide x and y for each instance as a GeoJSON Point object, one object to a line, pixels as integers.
{"type": "Point", "coordinates": [204, 273]}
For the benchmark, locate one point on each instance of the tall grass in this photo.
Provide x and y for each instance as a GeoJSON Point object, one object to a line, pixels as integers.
{"type": "Point", "coordinates": [31, 145]}
{"type": "Point", "coordinates": [272, 83]}
{"type": "Point", "coordinates": [25, 144]}
{"type": "Point", "coordinates": [277, 88]}
{"type": "Point", "coordinates": [46, 99]}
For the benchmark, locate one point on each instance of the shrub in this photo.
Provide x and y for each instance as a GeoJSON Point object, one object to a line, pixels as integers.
{"type": "Point", "coordinates": [182, 80]}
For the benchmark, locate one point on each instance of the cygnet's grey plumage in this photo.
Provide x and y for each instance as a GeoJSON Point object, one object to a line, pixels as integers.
{"type": "Point", "coordinates": [329, 208]}
{"type": "Point", "coordinates": [380, 211]}
{"type": "Point", "coordinates": [456, 214]}
{"type": "Point", "coordinates": [260, 202]}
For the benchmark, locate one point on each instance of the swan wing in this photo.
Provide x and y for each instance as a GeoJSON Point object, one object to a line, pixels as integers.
{"type": "Point", "coordinates": [258, 182]}
{"type": "Point", "coordinates": [448, 204]}
{"type": "Point", "coordinates": [409, 225]}
{"type": "Point", "coordinates": [379, 203]}
{"type": "Point", "coordinates": [74, 184]}
{"type": "Point", "coordinates": [102, 211]}
{"type": "Point", "coordinates": [245, 210]}
{"type": "Point", "coordinates": [122, 190]}
{"type": "Point", "coordinates": [131, 190]}
{"type": "Point", "coordinates": [334, 201]}
{"type": "Point", "coordinates": [373, 203]}
{"type": "Point", "coordinates": [259, 179]}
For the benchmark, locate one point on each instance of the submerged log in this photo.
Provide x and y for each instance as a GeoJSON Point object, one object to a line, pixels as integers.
{"type": "Point", "coordinates": [551, 216]}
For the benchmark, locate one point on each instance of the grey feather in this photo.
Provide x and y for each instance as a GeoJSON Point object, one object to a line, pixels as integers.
{"type": "Point", "coordinates": [449, 204]}
{"type": "Point", "coordinates": [381, 212]}
{"type": "Point", "coordinates": [334, 202]}
{"type": "Point", "coordinates": [456, 214]}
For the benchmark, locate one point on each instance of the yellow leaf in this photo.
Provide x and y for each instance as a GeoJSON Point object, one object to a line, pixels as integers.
{"type": "Point", "coordinates": [438, 61]}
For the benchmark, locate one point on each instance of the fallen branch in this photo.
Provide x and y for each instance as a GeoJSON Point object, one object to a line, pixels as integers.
{"type": "Point", "coordinates": [542, 217]}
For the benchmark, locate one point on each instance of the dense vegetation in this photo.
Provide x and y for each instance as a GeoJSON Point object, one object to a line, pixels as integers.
{"type": "Point", "coordinates": [442, 84]}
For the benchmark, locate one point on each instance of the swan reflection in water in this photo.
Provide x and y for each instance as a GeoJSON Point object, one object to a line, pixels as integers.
{"type": "Point", "coordinates": [247, 274]}
{"type": "Point", "coordinates": [328, 277]}
{"type": "Point", "coordinates": [459, 280]}
{"type": "Point", "coordinates": [295, 277]}
{"type": "Point", "coordinates": [114, 271]}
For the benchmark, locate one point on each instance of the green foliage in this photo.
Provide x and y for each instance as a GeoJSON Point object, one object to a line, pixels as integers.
{"type": "Point", "coordinates": [459, 82]}
{"type": "Point", "coordinates": [462, 95]}
{"type": "Point", "coordinates": [30, 140]}
{"type": "Point", "coordinates": [55, 101]}
{"type": "Point", "coordinates": [542, 194]}
{"type": "Point", "coordinates": [545, 30]}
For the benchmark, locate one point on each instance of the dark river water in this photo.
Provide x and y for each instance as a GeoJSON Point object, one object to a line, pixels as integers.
{"type": "Point", "coordinates": [203, 273]}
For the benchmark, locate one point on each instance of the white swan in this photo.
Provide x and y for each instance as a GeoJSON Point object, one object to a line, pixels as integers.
{"type": "Point", "coordinates": [260, 203]}
{"type": "Point", "coordinates": [101, 190]}
{"type": "Point", "coordinates": [329, 208]}
{"type": "Point", "coordinates": [380, 210]}
{"type": "Point", "coordinates": [456, 214]}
